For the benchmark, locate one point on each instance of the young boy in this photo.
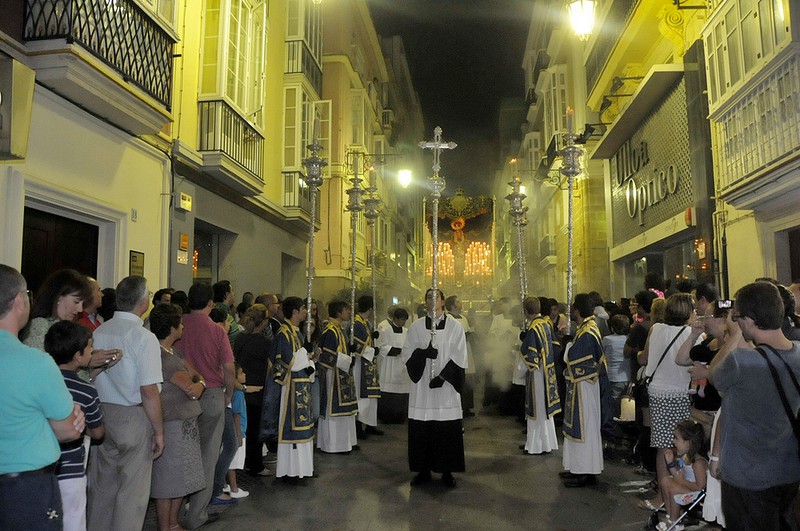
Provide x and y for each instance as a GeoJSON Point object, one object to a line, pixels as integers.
{"type": "Point", "coordinates": [240, 424]}
{"type": "Point", "coordinates": [70, 345]}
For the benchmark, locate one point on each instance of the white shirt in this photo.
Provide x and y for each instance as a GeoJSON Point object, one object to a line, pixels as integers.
{"type": "Point", "coordinates": [140, 364]}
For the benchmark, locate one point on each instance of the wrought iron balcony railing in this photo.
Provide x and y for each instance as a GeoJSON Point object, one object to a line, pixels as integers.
{"type": "Point", "coordinates": [223, 129]}
{"type": "Point", "coordinates": [118, 32]}
{"type": "Point", "coordinates": [300, 60]}
{"type": "Point", "coordinates": [296, 194]}
{"type": "Point", "coordinates": [617, 18]}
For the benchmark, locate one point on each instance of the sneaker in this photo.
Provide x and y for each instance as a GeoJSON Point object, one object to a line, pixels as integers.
{"type": "Point", "coordinates": [664, 526]}
{"type": "Point", "coordinates": [226, 489]}
{"type": "Point", "coordinates": [241, 493]}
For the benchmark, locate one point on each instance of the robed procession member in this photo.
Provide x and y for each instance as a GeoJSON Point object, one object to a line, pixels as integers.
{"type": "Point", "coordinates": [435, 435]}
{"type": "Point", "coordinates": [393, 377]}
{"type": "Point", "coordinates": [541, 388]}
{"type": "Point", "coordinates": [583, 445]}
{"type": "Point", "coordinates": [336, 432]}
{"type": "Point", "coordinates": [454, 310]}
{"type": "Point", "coordinates": [365, 371]}
{"type": "Point", "coordinates": [294, 370]}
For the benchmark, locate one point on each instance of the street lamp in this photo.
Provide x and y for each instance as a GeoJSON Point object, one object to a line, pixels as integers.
{"type": "Point", "coordinates": [581, 16]}
{"type": "Point", "coordinates": [404, 177]}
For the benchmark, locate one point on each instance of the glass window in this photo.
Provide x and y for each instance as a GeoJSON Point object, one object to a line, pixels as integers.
{"type": "Point", "coordinates": [239, 60]}
{"type": "Point", "coordinates": [290, 153]}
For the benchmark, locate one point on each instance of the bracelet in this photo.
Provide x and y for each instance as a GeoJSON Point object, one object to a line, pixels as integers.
{"type": "Point", "coordinates": [713, 458]}
{"type": "Point", "coordinates": [673, 464]}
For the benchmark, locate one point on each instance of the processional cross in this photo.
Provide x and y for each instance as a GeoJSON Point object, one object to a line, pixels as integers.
{"type": "Point", "coordinates": [437, 186]}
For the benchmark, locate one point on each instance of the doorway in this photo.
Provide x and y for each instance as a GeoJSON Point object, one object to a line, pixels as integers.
{"type": "Point", "coordinates": [51, 242]}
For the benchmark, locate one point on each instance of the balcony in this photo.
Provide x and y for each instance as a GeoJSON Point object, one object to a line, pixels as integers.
{"type": "Point", "coordinates": [297, 198]}
{"type": "Point", "coordinates": [109, 57]}
{"type": "Point", "coordinates": [547, 251]}
{"type": "Point", "coordinates": [387, 119]}
{"type": "Point", "coordinates": [756, 139]}
{"type": "Point", "coordinates": [232, 149]}
{"type": "Point", "coordinates": [299, 60]}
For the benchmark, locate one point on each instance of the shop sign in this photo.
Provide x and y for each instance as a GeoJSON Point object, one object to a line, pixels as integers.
{"type": "Point", "coordinates": [632, 160]}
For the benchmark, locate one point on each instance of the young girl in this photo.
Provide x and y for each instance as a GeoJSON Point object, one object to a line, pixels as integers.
{"type": "Point", "coordinates": [687, 469]}
{"type": "Point", "coordinates": [240, 423]}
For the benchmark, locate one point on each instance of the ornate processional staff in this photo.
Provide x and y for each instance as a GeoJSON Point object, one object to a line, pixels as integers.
{"type": "Point", "coordinates": [371, 205]}
{"type": "Point", "coordinates": [313, 179]}
{"type": "Point", "coordinates": [570, 168]}
{"type": "Point", "coordinates": [354, 207]}
{"type": "Point", "coordinates": [437, 186]}
{"type": "Point", "coordinates": [519, 219]}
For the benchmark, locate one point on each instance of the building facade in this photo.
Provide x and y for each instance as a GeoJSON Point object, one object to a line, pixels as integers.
{"type": "Point", "coordinates": [376, 122]}
{"type": "Point", "coordinates": [85, 170]}
{"type": "Point", "coordinates": [753, 74]}
{"type": "Point", "coordinates": [554, 82]}
{"type": "Point", "coordinates": [178, 153]}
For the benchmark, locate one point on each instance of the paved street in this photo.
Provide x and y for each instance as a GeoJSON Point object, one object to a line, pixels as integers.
{"type": "Point", "coordinates": [502, 489]}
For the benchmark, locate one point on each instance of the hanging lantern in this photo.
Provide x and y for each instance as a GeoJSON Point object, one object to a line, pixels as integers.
{"type": "Point", "coordinates": [581, 16]}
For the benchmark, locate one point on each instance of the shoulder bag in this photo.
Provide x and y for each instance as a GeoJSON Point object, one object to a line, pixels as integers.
{"type": "Point", "coordinates": [640, 392]}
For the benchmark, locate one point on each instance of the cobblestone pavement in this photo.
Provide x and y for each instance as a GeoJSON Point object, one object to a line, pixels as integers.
{"type": "Point", "coordinates": [502, 488]}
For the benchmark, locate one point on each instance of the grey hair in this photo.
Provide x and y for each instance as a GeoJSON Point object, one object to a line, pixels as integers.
{"type": "Point", "coordinates": [130, 292]}
{"type": "Point", "coordinates": [11, 284]}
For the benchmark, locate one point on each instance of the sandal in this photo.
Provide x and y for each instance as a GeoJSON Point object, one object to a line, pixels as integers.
{"type": "Point", "coordinates": [647, 505]}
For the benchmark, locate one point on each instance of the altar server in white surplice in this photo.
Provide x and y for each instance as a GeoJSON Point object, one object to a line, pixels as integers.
{"type": "Point", "coordinates": [395, 383]}
{"type": "Point", "coordinates": [436, 369]}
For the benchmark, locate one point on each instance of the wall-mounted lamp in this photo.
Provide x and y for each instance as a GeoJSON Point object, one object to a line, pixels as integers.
{"type": "Point", "coordinates": [581, 16]}
{"type": "Point", "coordinates": [589, 131]}
{"type": "Point", "coordinates": [617, 82]}
{"type": "Point", "coordinates": [607, 102]}
{"type": "Point", "coordinates": [681, 5]}
{"type": "Point", "coordinates": [316, 2]}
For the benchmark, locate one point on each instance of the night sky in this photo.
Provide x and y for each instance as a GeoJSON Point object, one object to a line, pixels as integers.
{"type": "Point", "coordinates": [464, 56]}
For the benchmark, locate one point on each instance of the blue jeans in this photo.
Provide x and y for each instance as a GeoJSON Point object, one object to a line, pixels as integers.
{"type": "Point", "coordinates": [230, 443]}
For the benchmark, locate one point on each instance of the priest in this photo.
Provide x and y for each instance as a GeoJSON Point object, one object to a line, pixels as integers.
{"type": "Point", "coordinates": [336, 431]}
{"type": "Point", "coordinates": [294, 371]}
{"type": "Point", "coordinates": [436, 367]}
{"type": "Point", "coordinates": [393, 377]}
{"type": "Point", "coordinates": [583, 445]}
{"type": "Point", "coordinates": [365, 371]}
{"type": "Point", "coordinates": [541, 389]}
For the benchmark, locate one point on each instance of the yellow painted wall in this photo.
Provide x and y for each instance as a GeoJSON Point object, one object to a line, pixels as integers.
{"type": "Point", "coordinates": [744, 250]}
{"type": "Point", "coordinates": [273, 103]}
{"type": "Point", "coordinates": [89, 167]}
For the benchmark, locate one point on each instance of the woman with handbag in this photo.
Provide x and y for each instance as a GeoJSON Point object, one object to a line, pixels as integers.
{"type": "Point", "coordinates": [668, 387]}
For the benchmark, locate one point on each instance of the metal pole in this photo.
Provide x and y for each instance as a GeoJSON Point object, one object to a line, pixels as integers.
{"type": "Point", "coordinates": [517, 212]}
{"type": "Point", "coordinates": [570, 168]}
{"type": "Point", "coordinates": [354, 206]}
{"type": "Point", "coordinates": [371, 205]}
{"type": "Point", "coordinates": [437, 186]}
{"type": "Point", "coordinates": [313, 179]}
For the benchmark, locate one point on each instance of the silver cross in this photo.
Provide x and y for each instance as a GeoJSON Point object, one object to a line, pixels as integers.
{"type": "Point", "coordinates": [437, 146]}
